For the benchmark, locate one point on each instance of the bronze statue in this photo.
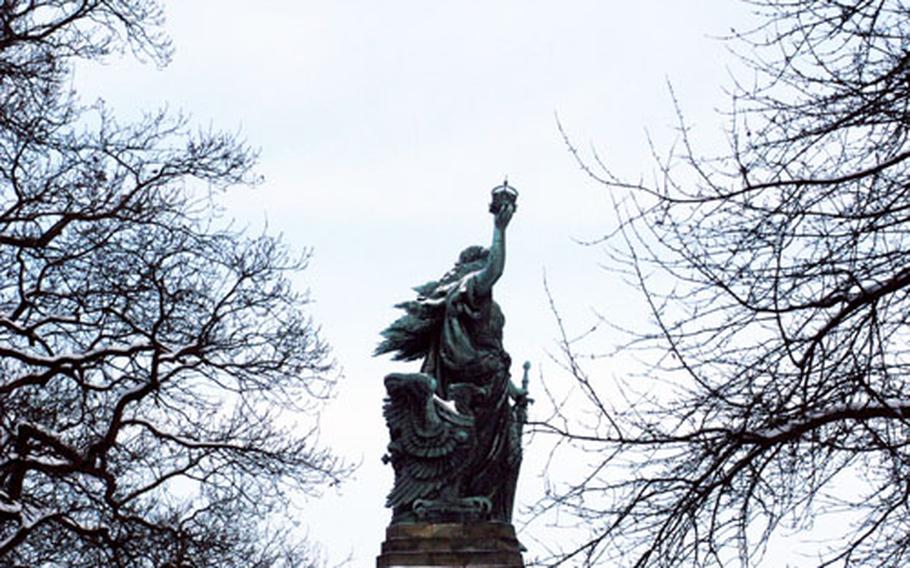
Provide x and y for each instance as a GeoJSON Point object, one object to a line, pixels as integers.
{"type": "Point", "coordinates": [455, 431]}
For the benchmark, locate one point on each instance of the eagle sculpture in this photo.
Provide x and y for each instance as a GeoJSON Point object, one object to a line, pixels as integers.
{"type": "Point", "coordinates": [431, 446]}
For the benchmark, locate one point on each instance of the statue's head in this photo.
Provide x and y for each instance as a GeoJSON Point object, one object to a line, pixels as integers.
{"type": "Point", "coordinates": [473, 254]}
{"type": "Point", "coordinates": [469, 260]}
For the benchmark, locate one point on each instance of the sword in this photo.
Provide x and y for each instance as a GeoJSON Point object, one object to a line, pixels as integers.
{"type": "Point", "coordinates": [522, 403]}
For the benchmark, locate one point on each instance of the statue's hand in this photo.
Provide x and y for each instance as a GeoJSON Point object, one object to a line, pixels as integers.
{"type": "Point", "coordinates": [504, 215]}
{"type": "Point", "coordinates": [517, 392]}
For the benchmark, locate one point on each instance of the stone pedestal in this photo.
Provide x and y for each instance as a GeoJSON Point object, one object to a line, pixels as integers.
{"type": "Point", "coordinates": [474, 545]}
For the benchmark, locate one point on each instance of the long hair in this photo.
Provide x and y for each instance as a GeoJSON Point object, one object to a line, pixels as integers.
{"type": "Point", "coordinates": [411, 336]}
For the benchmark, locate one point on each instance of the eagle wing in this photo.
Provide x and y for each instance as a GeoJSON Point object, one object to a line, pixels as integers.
{"type": "Point", "coordinates": [430, 441]}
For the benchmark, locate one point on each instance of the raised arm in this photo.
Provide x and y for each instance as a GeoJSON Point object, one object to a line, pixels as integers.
{"type": "Point", "coordinates": [496, 260]}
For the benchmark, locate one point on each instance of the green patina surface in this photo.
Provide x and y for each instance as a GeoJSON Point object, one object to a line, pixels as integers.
{"type": "Point", "coordinates": [455, 426]}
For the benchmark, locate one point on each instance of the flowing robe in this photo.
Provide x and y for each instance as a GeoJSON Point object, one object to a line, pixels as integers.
{"type": "Point", "coordinates": [471, 367]}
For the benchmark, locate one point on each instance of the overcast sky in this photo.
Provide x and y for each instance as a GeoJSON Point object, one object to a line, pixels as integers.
{"type": "Point", "coordinates": [382, 128]}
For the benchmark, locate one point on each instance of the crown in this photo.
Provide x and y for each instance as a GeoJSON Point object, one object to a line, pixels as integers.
{"type": "Point", "coordinates": [502, 194]}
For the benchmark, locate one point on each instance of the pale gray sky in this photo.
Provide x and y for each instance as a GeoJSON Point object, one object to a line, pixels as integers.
{"type": "Point", "coordinates": [383, 126]}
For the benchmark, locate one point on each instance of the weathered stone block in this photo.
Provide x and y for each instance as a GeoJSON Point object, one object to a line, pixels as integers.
{"type": "Point", "coordinates": [453, 545]}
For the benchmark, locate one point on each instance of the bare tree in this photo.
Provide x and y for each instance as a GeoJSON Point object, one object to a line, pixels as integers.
{"type": "Point", "coordinates": [152, 357]}
{"type": "Point", "coordinates": [778, 282]}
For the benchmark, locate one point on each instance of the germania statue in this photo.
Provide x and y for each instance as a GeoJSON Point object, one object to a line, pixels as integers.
{"type": "Point", "coordinates": [455, 426]}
